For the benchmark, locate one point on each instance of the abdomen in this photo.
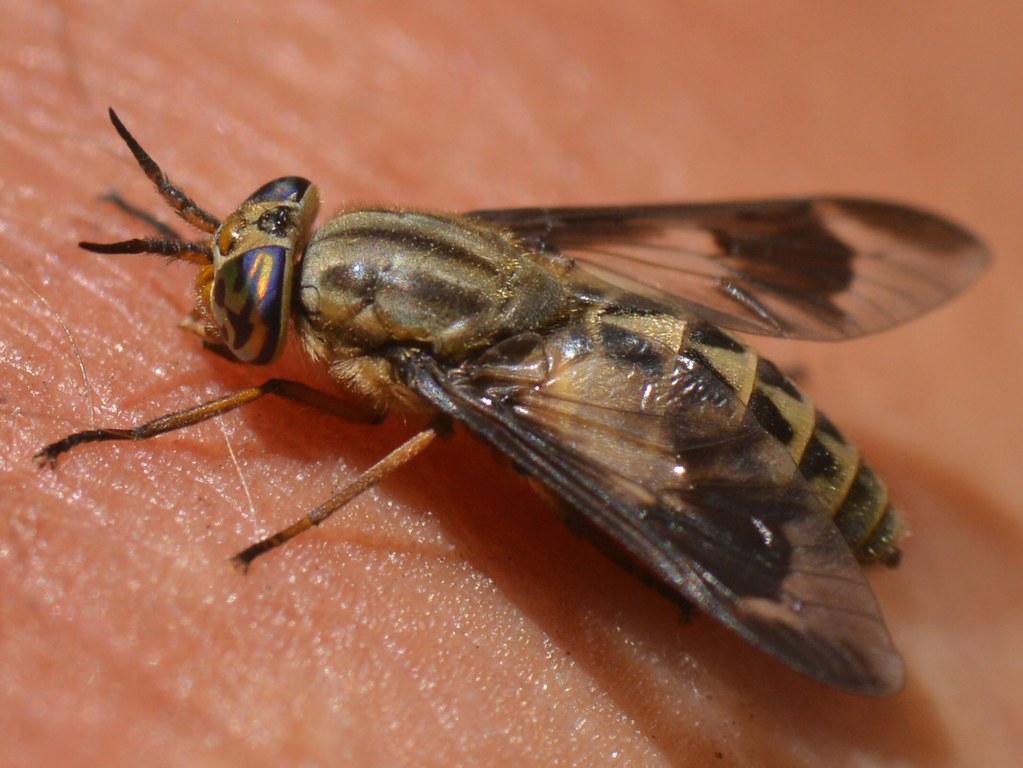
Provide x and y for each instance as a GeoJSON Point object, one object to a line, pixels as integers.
{"type": "Point", "coordinates": [850, 492]}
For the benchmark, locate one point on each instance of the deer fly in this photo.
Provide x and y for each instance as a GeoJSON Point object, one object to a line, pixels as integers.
{"type": "Point", "coordinates": [632, 406]}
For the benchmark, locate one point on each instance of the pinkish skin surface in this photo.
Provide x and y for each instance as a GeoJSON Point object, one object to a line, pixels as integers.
{"type": "Point", "coordinates": [447, 617]}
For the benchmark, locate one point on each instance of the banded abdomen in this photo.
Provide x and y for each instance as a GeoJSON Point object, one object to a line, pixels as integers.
{"type": "Point", "coordinates": [856, 500]}
{"type": "Point", "coordinates": [688, 417]}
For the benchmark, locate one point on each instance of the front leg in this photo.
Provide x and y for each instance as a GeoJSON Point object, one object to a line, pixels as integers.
{"type": "Point", "coordinates": [291, 390]}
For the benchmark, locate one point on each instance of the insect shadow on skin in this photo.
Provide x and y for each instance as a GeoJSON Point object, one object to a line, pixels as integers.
{"type": "Point", "coordinates": [632, 407]}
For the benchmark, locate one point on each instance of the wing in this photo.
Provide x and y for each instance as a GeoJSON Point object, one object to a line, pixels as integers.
{"type": "Point", "coordinates": [665, 470]}
{"type": "Point", "coordinates": [824, 268]}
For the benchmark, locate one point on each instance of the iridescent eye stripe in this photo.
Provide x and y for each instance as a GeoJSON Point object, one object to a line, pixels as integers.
{"type": "Point", "coordinates": [261, 266]}
{"type": "Point", "coordinates": [247, 300]}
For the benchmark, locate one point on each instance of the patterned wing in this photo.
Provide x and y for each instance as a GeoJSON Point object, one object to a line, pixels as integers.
{"type": "Point", "coordinates": [667, 469]}
{"type": "Point", "coordinates": [825, 268]}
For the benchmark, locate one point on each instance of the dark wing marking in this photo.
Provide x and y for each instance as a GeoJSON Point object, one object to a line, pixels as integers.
{"type": "Point", "coordinates": [825, 268]}
{"type": "Point", "coordinates": [701, 511]}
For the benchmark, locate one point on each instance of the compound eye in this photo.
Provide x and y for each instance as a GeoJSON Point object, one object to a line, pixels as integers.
{"type": "Point", "coordinates": [287, 189]}
{"type": "Point", "coordinates": [251, 295]}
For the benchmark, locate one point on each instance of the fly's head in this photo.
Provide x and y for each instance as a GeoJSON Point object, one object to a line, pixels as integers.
{"type": "Point", "coordinates": [246, 263]}
{"type": "Point", "coordinates": [244, 295]}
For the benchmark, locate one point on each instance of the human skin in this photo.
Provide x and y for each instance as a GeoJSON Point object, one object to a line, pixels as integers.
{"type": "Point", "coordinates": [447, 617]}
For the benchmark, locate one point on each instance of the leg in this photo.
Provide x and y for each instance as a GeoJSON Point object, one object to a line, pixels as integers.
{"type": "Point", "coordinates": [392, 461]}
{"type": "Point", "coordinates": [165, 230]}
{"type": "Point", "coordinates": [292, 390]}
